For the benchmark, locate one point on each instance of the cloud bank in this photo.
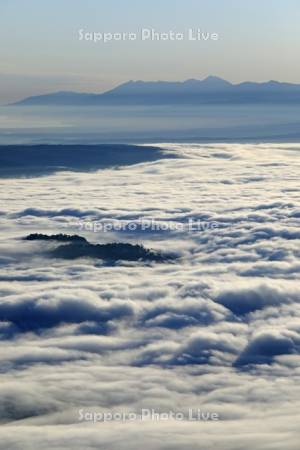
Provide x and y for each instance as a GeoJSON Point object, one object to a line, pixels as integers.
{"type": "Point", "coordinates": [217, 329]}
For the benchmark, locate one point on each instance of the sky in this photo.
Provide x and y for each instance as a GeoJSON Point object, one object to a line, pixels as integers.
{"type": "Point", "coordinates": [41, 51]}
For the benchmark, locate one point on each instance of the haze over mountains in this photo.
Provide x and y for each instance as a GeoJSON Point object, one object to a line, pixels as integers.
{"type": "Point", "coordinates": [211, 90]}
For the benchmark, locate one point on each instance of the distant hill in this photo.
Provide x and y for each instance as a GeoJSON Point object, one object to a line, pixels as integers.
{"type": "Point", "coordinates": [75, 246]}
{"type": "Point", "coordinates": [35, 160]}
{"type": "Point", "coordinates": [210, 90]}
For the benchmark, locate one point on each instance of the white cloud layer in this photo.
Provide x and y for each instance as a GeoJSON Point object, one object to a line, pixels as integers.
{"type": "Point", "coordinates": [217, 329]}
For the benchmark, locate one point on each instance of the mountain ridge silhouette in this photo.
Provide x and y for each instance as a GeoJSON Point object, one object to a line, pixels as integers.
{"type": "Point", "coordinates": [211, 89]}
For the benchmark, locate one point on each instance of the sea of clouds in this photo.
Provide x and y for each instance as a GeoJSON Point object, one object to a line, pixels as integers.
{"type": "Point", "coordinates": [216, 329]}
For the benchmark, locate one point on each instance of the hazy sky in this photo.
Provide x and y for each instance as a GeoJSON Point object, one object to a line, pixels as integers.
{"type": "Point", "coordinates": [40, 49]}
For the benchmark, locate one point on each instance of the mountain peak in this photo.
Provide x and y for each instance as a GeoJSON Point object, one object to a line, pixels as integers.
{"type": "Point", "coordinates": [211, 89]}
{"type": "Point", "coordinates": [212, 80]}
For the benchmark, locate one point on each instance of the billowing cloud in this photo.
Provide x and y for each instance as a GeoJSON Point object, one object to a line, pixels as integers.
{"type": "Point", "coordinates": [216, 329]}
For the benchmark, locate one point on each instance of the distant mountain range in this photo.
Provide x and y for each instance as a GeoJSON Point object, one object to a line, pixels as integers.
{"type": "Point", "coordinates": [211, 90]}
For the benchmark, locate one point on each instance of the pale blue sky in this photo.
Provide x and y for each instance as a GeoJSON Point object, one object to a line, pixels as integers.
{"type": "Point", "coordinates": [40, 51]}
